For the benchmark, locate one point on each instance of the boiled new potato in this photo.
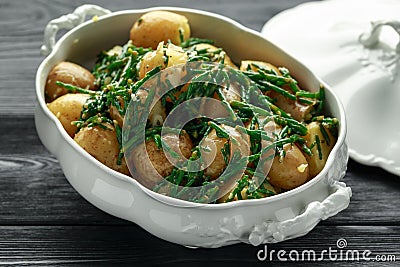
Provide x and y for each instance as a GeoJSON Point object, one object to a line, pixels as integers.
{"type": "Point", "coordinates": [231, 93]}
{"type": "Point", "coordinates": [67, 109]}
{"type": "Point", "coordinates": [315, 163]}
{"type": "Point", "coordinates": [290, 172]}
{"type": "Point", "coordinates": [272, 130]}
{"type": "Point", "coordinates": [70, 73]}
{"type": "Point", "coordinates": [157, 26]}
{"type": "Point", "coordinates": [229, 195]}
{"type": "Point", "coordinates": [162, 57]}
{"type": "Point", "coordinates": [151, 163]}
{"type": "Point", "coordinates": [116, 116]}
{"type": "Point", "coordinates": [218, 56]}
{"type": "Point", "coordinates": [102, 144]}
{"type": "Point", "coordinates": [211, 150]}
{"type": "Point", "coordinates": [244, 193]}
{"type": "Point", "coordinates": [252, 65]}
{"type": "Point", "coordinates": [298, 110]}
{"type": "Point", "coordinates": [212, 155]}
{"type": "Point", "coordinates": [157, 114]}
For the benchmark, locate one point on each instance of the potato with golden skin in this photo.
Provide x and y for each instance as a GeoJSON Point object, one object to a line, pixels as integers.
{"type": "Point", "coordinates": [175, 56]}
{"type": "Point", "coordinates": [252, 65]}
{"type": "Point", "coordinates": [157, 114]}
{"type": "Point", "coordinates": [212, 146]}
{"type": "Point", "coordinates": [157, 26]}
{"type": "Point", "coordinates": [67, 109]}
{"type": "Point", "coordinates": [70, 73]}
{"type": "Point", "coordinates": [315, 163]}
{"type": "Point", "coordinates": [272, 130]}
{"type": "Point", "coordinates": [290, 172]}
{"type": "Point", "coordinates": [298, 110]}
{"type": "Point", "coordinates": [221, 55]}
{"type": "Point", "coordinates": [229, 195]}
{"type": "Point", "coordinates": [231, 94]}
{"type": "Point", "coordinates": [151, 163]}
{"type": "Point", "coordinates": [116, 116]}
{"type": "Point", "coordinates": [212, 155]}
{"type": "Point", "coordinates": [244, 195]}
{"type": "Point", "coordinates": [103, 145]}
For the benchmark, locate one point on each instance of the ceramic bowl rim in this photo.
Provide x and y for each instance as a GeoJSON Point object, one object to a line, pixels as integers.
{"type": "Point", "coordinates": [166, 199]}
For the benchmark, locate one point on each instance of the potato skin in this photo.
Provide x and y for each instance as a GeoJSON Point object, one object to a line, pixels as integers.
{"type": "Point", "coordinates": [298, 110]}
{"type": "Point", "coordinates": [316, 165]}
{"type": "Point", "coordinates": [214, 158]}
{"type": "Point", "coordinates": [155, 58]}
{"type": "Point", "coordinates": [210, 48]}
{"type": "Point", "coordinates": [103, 145]}
{"type": "Point", "coordinates": [67, 72]}
{"type": "Point", "coordinates": [288, 174]}
{"type": "Point", "coordinates": [243, 193]}
{"type": "Point", "coordinates": [116, 116]}
{"type": "Point", "coordinates": [157, 26]}
{"type": "Point", "coordinates": [228, 195]}
{"type": "Point", "coordinates": [151, 164]}
{"type": "Point", "coordinates": [157, 114]}
{"type": "Point", "coordinates": [67, 109]}
{"type": "Point", "coordinates": [247, 64]}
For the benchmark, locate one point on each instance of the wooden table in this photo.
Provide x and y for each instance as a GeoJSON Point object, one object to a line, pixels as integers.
{"type": "Point", "coordinates": [44, 221]}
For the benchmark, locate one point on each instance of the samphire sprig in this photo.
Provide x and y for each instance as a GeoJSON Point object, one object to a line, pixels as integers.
{"type": "Point", "coordinates": [117, 79]}
{"type": "Point", "coordinates": [119, 66]}
{"type": "Point", "coordinates": [283, 83]}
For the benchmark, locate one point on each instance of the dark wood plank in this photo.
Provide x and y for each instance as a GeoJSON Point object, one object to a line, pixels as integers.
{"type": "Point", "coordinates": [33, 188]}
{"type": "Point", "coordinates": [35, 191]}
{"type": "Point", "coordinates": [43, 221]}
{"type": "Point", "coordinates": [376, 196]}
{"type": "Point", "coordinates": [111, 245]}
{"type": "Point", "coordinates": [21, 33]}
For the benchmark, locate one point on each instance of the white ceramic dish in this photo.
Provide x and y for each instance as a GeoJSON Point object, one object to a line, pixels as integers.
{"type": "Point", "coordinates": [363, 71]}
{"type": "Point", "coordinates": [273, 219]}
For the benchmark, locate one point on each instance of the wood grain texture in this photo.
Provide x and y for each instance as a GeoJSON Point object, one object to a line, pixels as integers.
{"type": "Point", "coordinates": [43, 221]}
{"type": "Point", "coordinates": [31, 176]}
{"type": "Point", "coordinates": [126, 244]}
{"type": "Point", "coordinates": [22, 24]}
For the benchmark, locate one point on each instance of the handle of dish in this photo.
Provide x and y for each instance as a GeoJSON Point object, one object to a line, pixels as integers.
{"type": "Point", "coordinates": [68, 22]}
{"type": "Point", "coordinates": [371, 38]}
{"type": "Point", "coordinates": [316, 211]}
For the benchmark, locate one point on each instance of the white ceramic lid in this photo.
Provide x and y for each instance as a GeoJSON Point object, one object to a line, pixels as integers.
{"type": "Point", "coordinates": [354, 46]}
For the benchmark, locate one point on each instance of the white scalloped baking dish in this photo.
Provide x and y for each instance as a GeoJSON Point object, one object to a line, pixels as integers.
{"type": "Point", "coordinates": [272, 219]}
